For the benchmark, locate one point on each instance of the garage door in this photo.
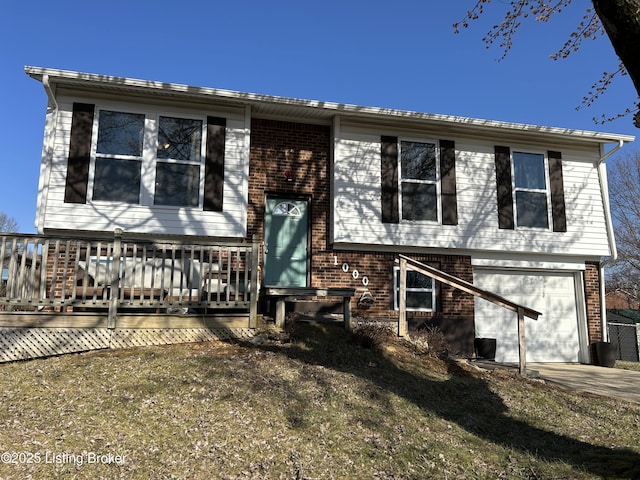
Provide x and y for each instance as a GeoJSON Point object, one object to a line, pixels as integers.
{"type": "Point", "coordinates": [554, 337]}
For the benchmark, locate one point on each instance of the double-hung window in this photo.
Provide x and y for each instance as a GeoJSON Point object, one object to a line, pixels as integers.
{"type": "Point", "coordinates": [421, 291]}
{"type": "Point", "coordinates": [148, 159]}
{"type": "Point", "coordinates": [119, 150]}
{"type": "Point", "coordinates": [179, 158]}
{"type": "Point", "coordinates": [418, 181]}
{"type": "Point", "coordinates": [531, 190]}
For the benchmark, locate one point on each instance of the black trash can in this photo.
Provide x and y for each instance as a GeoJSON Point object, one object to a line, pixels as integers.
{"type": "Point", "coordinates": [485, 348]}
{"type": "Point", "coordinates": [606, 354]}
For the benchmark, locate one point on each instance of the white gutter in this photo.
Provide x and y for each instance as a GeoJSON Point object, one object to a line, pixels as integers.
{"type": "Point", "coordinates": [604, 188]}
{"type": "Point", "coordinates": [312, 108]}
{"type": "Point", "coordinates": [51, 123]}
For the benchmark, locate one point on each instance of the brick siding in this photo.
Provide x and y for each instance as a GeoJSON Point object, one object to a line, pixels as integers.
{"type": "Point", "coordinates": [304, 151]}
{"type": "Point", "coordinates": [593, 300]}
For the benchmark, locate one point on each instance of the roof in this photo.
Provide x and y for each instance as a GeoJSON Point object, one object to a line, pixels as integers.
{"type": "Point", "coordinates": [306, 109]}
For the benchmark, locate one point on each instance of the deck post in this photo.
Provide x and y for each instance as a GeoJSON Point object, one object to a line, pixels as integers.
{"type": "Point", "coordinates": [115, 275]}
{"type": "Point", "coordinates": [280, 312]}
{"type": "Point", "coordinates": [346, 312]}
{"type": "Point", "coordinates": [402, 319]}
{"type": "Point", "coordinates": [253, 288]}
{"type": "Point", "coordinates": [521, 343]}
{"type": "Point", "coordinates": [12, 290]}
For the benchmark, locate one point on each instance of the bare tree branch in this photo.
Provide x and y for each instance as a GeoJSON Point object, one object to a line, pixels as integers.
{"type": "Point", "coordinates": [619, 19]}
{"type": "Point", "coordinates": [7, 224]}
{"type": "Point", "coordinates": [625, 203]}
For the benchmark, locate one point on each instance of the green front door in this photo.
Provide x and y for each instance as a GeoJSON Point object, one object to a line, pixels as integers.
{"type": "Point", "coordinates": [286, 237]}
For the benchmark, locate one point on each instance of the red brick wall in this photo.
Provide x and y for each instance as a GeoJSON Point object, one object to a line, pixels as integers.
{"type": "Point", "coordinates": [377, 267]}
{"type": "Point", "coordinates": [592, 296]}
{"type": "Point", "coordinates": [622, 300]}
{"type": "Point", "coordinates": [304, 150]}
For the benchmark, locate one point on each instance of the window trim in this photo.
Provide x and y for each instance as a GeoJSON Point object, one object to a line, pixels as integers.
{"type": "Point", "coordinates": [546, 190]}
{"type": "Point", "coordinates": [149, 159]}
{"type": "Point", "coordinates": [396, 292]}
{"type": "Point", "coordinates": [436, 181]}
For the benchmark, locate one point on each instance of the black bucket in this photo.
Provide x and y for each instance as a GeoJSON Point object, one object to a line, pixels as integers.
{"type": "Point", "coordinates": [606, 354]}
{"type": "Point", "coordinates": [485, 348]}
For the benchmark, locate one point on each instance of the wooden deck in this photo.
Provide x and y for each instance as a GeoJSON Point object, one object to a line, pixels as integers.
{"type": "Point", "coordinates": [65, 274]}
{"type": "Point", "coordinates": [62, 295]}
{"type": "Point", "coordinates": [130, 320]}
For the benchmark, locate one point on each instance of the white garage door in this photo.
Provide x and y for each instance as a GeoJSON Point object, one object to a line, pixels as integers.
{"type": "Point", "coordinates": [554, 337]}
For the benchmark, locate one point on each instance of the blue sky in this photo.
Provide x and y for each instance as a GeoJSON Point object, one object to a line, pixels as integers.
{"type": "Point", "coordinates": [401, 54]}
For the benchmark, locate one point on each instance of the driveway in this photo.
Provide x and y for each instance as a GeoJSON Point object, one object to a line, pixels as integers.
{"type": "Point", "coordinates": [611, 382]}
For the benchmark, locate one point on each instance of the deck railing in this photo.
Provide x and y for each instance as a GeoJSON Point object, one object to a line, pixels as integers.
{"type": "Point", "coordinates": [157, 275]}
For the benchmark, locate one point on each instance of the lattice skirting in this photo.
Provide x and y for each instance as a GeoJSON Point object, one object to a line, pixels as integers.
{"type": "Point", "coordinates": [26, 343]}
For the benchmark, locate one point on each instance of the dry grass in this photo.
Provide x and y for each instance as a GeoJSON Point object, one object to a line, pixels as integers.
{"type": "Point", "coordinates": [628, 365]}
{"type": "Point", "coordinates": [320, 405]}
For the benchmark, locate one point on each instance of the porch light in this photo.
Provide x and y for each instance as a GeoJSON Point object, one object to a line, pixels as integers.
{"type": "Point", "coordinates": [366, 300]}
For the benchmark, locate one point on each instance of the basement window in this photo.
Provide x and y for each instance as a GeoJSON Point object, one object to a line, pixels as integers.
{"type": "Point", "coordinates": [421, 291]}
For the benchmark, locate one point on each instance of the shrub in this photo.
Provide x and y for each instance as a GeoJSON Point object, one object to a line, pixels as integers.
{"type": "Point", "coordinates": [429, 341]}
{"type": "Point", "coordinates": [371, 334]}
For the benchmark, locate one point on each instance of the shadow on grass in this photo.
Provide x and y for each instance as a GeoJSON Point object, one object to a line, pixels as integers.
{"type": "Point", "coordinates": [463, 399]}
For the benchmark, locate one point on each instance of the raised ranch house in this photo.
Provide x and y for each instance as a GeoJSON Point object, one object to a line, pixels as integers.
{"type": "Point", "coordinates": [172, 211]}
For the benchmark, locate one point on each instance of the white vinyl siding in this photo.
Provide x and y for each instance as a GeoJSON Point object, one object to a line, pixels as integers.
{"type": "Point", "coordinates": [358, 217]}
{"type": "Point", "coordinates": [149, 218]}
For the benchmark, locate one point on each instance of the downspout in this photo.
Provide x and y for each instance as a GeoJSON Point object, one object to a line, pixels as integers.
{"type": "Point", "coordinates": [604, 189]}
{"type": "Point", "coordinates": [47, 153]}
{"type": "Point", "coordinates": [47, 88]}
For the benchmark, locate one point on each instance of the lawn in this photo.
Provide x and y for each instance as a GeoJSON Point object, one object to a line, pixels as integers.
{"type": "Point", "coordinates": [628, 365]}
{"type": "Point", "coordinates": [319, 404]}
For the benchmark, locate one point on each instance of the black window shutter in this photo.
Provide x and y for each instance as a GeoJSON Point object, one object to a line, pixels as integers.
{"type": "Point", "coordinates": [75, 190]}
{"type": "Point", "coordinates": [214, 164]}
{"type": "Point", "coordinates": [389, 154]}
{"type": "Point", "coordinates": [505, 193]}
{"type": "Point", "coordinates": [558, 211]}
{"type": "Point", "coordinates": [448, 182]}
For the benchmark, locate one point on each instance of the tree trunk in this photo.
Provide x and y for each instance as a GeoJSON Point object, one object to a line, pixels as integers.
{"type": "Point", "coordinates": [621, 21]}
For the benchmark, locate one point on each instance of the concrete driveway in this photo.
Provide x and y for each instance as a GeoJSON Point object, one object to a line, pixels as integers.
{"type": "Point", "coordinates": [611, 382]}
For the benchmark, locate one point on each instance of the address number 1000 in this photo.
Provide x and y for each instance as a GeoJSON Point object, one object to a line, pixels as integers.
{"type": "Point", "coordinates": [354, 273]}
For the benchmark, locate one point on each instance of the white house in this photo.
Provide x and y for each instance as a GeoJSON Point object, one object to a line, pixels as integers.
{"type": "Point", "coordinates": [335, 192]}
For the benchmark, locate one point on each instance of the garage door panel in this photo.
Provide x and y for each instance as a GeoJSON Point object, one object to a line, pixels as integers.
{"type": "Point", "coordinates": [553, 337]}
